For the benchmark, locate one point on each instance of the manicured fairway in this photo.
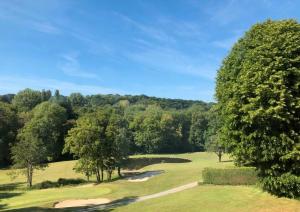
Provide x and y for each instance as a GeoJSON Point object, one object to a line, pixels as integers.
{"type": "Point", "coordinates": [14, 194]}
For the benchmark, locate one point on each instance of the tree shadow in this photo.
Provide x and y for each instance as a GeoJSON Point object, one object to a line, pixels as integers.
{"type": "Point", "coordinates": [59, 183]}
{"type": "Point", "coordinates": [103, 207]}
{"type": "Point", "coordinates": [138, 163]}
{"type": "Point", "coordinates": [9, 186]}
{"type": "Point", "coordinates": [226, 161]}
{"type": "Point", "coordinates": [6, 195]}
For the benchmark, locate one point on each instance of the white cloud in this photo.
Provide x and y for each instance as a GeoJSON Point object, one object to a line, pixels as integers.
{"type": "Point", "coordinates": [150, 31]}
{"type": "Point", "coordinates": [171, 60]}
{"type": "Point", "coordinates": [45, 27]}
{"type": "Point", "coordinates": [70, 66]}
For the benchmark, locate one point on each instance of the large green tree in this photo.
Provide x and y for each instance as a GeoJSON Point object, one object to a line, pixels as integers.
{"type": "Point", "coordinates": [258, 91]}
{"type": "Point", "coordinates": [27, 99]}
{"type": "Point", "coordinates": [85, 142]}
{"type": "Point", "coordinates": [37, 140]}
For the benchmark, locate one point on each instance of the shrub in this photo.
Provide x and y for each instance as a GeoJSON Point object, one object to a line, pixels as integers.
{"type": "Point", "coordinates": [63, 181]}
{"type": "Point", "coordinates": [286, 185]}
{"type": "Point", "coordinates": [46, 184]}
{"type": "Point", "coordinates": [230, 176]}
{"type": "Point", "coordinates": [60, 182]}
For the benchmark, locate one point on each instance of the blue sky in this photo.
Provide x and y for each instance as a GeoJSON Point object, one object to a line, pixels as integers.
{"type": "Point", "coordinates": [163, 48]}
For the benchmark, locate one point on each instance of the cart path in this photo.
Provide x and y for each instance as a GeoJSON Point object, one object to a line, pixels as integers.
{"type": "Point", "coordinates": [122, 202]}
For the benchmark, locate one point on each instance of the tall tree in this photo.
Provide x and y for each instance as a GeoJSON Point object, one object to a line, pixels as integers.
{"type": "Point", "coordinates": [258, 91]}
{"type": "Point", "coordinates": [86, 141]}
{"type": "Point", "coordinates": [118, 136]}
{"type": "Point", "coordinates": [37, 140]}
{"type": "Point", "coordinates": [26, 100]}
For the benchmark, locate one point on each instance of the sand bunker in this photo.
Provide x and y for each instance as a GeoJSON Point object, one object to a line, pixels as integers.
{"type": "Point", "coordinates": [81, 202]}
{"type": "Point", "coordinates": [144, 176]}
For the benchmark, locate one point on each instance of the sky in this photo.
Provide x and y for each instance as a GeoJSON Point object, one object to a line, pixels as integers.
{"type": "Point", "coordinates": [162, 48]}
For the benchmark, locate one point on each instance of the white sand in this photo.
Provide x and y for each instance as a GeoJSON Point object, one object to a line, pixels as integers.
{"type": "Point", "coordinates": [81, 202]}
{"type": "Point", "coordinates": [144, 176]}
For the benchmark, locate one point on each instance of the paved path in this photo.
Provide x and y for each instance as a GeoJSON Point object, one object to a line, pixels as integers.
{"type": "Point", "coordinates": [121, 202]}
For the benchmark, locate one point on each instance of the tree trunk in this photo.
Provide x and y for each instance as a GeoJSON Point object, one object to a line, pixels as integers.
{"type": "Point", "coordinates": [119, 171]}
{"type": "Point", "coordinates": [102, 171]}
{"type": "Point", "coordinates": [109, 173]}
{"type": "Point", "coordinates": [220, 156]}
{"type": "Point", "coordinates": [29, 175]}
{"type": "Point", "coordinates": [98, 175]}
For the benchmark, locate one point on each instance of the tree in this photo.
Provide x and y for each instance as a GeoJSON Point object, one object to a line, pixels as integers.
{"type": "Point", "coordinates": [48, 122]}
{"type": "Point", "coordinates": [84, 141]}
{"type": "Point", "coordinates": [45, 95]}
{"type": "Point", "coordinates": [157, 131]}
{"type": "Point", "coordinates": [29, 153]}
{"type": "Point", "coordinates": [77, 100]}
{"type": "Point", "coordinates": [8, 131]}
{"type": "Point", "coordinates": [118, 136]}
{"type": "Point", "coordinates": [26, 100]}
{"type": "Point", "coordinates": [258, 92]}
{"type": "Point", "coordinates": [213, 140]}
{"type": "Point", "coordinates": [37, 140]}
{"type": "Point", "coordinates": [197, 130]}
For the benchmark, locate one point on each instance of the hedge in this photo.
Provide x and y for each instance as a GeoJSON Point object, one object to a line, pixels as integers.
{"type": "Point", "coordinates": [230, 176]}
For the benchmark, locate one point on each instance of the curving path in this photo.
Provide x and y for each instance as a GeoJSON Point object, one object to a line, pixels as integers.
{"type": "Point", "coordinates": [121, 202]}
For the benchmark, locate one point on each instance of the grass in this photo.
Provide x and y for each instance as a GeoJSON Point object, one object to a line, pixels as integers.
{"type": "Point", "coordinates": [13, 194]}
{"type": "Point", "coordinates": [216, 198]}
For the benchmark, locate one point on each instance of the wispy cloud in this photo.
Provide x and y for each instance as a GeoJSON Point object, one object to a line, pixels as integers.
{"type": "Point", "coordinates": [168, 59]}
{"type": "Point", "coordinates": [15, 13]}
{"type": "Point", "coordinates": [70, 66]}
{"type": "Point", "coordinates": [150, 31]}
{"type": "Point", "coordinates": [13, 84]}
{"type": "Point", "coordinates": [44, 27]}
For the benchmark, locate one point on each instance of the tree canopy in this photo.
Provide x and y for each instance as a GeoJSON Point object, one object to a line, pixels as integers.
{"type": "Point", "coordinates": [258, 91]}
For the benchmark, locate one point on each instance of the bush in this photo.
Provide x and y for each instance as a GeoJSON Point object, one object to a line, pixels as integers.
{"type": "Point", "coordinates": [46, 184]}
{"type": "Point", "coordinates": [230, 176]}
{"type": "Point", "coordinates": [286, 185]}
{"type": "Point", "coordinates": [60, 182]}
{"type": "Point", "coordinates": [63, 181]}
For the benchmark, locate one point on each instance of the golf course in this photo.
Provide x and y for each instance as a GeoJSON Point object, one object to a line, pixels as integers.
{"type": "Point", "coordinates": [17, 197]}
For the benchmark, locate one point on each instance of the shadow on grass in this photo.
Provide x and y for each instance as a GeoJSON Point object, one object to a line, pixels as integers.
{"type": "Point", "coordinates": [138, 163]}
{"type": "Point", "coordinates": [59, 183]}
{"type": "Point", "coordinates": [9, 186]}
{"type": "Point", "coordinates": [6, 195]}
{"type": "Point", "coordinates": [103, 207]}
{"type": "Point", "coordinates": [226, 161]}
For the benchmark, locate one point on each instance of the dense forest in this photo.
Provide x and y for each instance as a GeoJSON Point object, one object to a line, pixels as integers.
{"type": "Point", "coordinates": [61, 127]}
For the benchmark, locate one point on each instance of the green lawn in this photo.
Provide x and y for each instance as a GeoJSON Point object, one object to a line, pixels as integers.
{"type": "Point", "coordinates": [13, 194]}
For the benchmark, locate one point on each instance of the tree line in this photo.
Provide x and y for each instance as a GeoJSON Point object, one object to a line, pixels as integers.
{"type": "Point", "coordinates": [101, 131]}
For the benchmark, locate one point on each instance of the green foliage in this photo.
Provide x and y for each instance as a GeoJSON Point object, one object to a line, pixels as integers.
{"type": "Point", "coordinates": [198, 129]}
{"type": "Point", "coordinates": [8, 130]}
{"type": "Point", "coordinates": [85, 142]}
{"type": "Point", "coordinates": [100, 141]}
{"type": "Point", "coordinates": [59, 183]}
{"type": "Point", "coordinates": [258, 92]}
{"type": "Point", "coordinates": [157, 131]}
{"type": "Point", "coordinates": [287, 185]}
{"type": "Point", "coordinates": [27, 99]}
{"type": "Point", "coordinates": [230, 176]}
{"type": "Point", "coordinates": [37, 140]}
{"type": "Point", "coordinates": [77, 100]}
